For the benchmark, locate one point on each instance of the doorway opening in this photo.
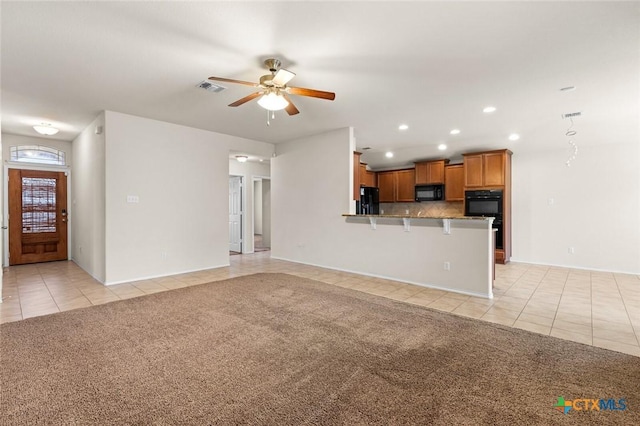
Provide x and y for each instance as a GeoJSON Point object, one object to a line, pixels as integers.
{"type": "Point", "coordinates": [235, 215]}
{"type": "Point", "coordinates": [261, 214]}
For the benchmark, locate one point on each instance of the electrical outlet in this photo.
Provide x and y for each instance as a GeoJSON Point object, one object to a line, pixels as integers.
{"type": "Point", "coordinates": [572, 250]}
{"type": "Point", "coordinates": [447, 266]}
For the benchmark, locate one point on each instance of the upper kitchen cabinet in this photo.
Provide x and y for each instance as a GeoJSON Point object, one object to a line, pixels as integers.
{"type": "Point", "coordinates": [487, 169]}
{"type": "Point", "coordinates": [361, 176]}
{"type": "Point", "coordinates": [430, 172]}
{"type": "Point", "coordinates": [406, 186]}
{"type": "Point", "coordinates": [454, 182]}
{"type": "Point", "coordinates": [367, 177]}
{"type": "Point", "coordinates": [396, 186]}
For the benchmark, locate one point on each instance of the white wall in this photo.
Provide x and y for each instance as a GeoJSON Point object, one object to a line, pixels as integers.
{"type": "Point", "coordinates": [310, 190]}
{"type": "Point", "coordinates": [180, 175]}
{"type": "Point", "coordinates": [87, 206]}
{"type": "Point", "coordinates": [595, 210]}
{"type": "Point", "coordinates": [248, 171]}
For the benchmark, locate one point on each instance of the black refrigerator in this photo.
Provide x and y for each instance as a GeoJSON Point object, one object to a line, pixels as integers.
{"type": "Point", "coordinates": [369, 201]}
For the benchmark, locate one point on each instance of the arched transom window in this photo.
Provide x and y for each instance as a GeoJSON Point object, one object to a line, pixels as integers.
{"type": "Point", "coordinates": [37, 154]}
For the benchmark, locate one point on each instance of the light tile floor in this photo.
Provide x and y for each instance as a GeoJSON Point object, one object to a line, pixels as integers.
{"type": "Point", "coordinates": [596, 308]}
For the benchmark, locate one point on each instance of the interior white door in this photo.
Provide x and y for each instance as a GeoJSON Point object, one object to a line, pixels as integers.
{"type": "Point", "coordinates": [235, 213]}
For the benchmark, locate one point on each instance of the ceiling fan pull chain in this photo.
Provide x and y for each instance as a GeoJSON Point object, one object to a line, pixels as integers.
{"type": "Point", "coordinates": [268, 123]}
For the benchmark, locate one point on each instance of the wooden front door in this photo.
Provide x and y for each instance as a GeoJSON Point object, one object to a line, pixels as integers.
{"type": "Point", "coordinates": [37, 216]}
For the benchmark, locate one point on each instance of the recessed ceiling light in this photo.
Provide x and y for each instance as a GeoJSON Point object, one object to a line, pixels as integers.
{"type": "Point", "coordinates": [442, 147]}
{"type": "Point", "coordinates": [389, 154]}
{"type": "Point", "coordinates": [514, 137]}
{"type": "Point", "coordinates": [489, 109]}
{"type": "Point", "coordinates": [455, 132]}
{"type": "Point", "coordinates": [403, 127]}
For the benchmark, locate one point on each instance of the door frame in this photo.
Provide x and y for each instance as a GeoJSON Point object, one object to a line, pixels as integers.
{"type": "Point", "coordinates": [254, 179]}
{"type": "Point", "coordinates": [5, 187]}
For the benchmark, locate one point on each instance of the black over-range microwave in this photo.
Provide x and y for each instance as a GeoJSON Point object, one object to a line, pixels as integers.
{"type": "Point", "coordinates": [429, 192]}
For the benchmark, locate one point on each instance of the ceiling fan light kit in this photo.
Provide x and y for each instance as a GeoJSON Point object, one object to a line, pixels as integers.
{"type": "Point", "coordinates": [273, 89]}
{"type": "Point", "coordinates": [272, 101]}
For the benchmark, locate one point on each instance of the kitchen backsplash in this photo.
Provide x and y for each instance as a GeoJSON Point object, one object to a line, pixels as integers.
{"type": "Point", "coordinates": [427, 208]}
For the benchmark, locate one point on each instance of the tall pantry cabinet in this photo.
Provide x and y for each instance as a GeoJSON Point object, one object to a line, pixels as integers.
{"type": "Point", "coordinates": [492, 170]}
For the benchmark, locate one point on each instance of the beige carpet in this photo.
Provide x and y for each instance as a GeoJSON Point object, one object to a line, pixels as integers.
{"type": "Point", "coordinates": [276, 349]}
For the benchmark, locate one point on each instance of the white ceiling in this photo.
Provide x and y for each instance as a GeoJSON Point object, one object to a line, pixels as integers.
{"type": "Point", "coordinates": [431, 65]}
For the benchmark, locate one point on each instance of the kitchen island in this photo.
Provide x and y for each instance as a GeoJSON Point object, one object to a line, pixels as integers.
{"type": "Point", "coordinates": [453, 253]}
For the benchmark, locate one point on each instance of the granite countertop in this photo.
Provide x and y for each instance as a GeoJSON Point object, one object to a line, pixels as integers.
{"type": "Point", "coordinates": [408, 216]}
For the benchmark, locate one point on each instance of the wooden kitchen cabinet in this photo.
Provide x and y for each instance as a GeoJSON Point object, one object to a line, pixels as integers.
{"type": "Point", "coordinates": [454, 182]}
{"type": "Point", "coordinates": [430, 172]}
{"type": "Point", "coordinates": [406, 186]}
{"type": "Point", "coordinates": [356, 175]}
{"type": "Point", "coordinates": [367, 177]}
{"type": "Point", "coordinates": [486, 169]}
{"type": "Point", "coordinates": [396, 186]}
{"type": "Point", "coordinates": [387, 187]}
{"type": "Point", "coordinates": [492, 170]}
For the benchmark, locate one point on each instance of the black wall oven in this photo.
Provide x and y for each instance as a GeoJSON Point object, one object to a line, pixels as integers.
{"type": "Point", "coordinates": [486, 203]}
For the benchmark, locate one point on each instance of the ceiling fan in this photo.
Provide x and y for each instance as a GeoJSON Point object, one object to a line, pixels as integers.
{"type": "Point", "coordinates": [274, 90]}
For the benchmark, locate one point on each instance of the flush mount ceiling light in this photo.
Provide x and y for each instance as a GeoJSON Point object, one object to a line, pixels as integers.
{"type": "Point", "coordinates": [403, 127]}
{"type": "Point", "coordinates": [242, 158]}
{"type": "Point", "coordinates": [46, 129]}
{"type": "Point", "coordinates": [442, 147]}
{"type": "Point", "coordinates": [389, 154]}
{"type": "Point", "coordinates": [514, 137]}
{"type": "Point", "coordinates": [273, 101]}
{"type": "Point", "coordinates": [455, 132]}
{"type": "Point", "coordinates": [489, 109]}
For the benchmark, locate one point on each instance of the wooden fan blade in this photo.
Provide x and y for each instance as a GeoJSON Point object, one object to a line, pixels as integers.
{"type": "Point", "coordinates": [311, 92]}
{"type": "Point", "coordinates": [291, 108]}
{"type": "Point", "coordinates": [230, 80]}
{"type": "Point", "coordinates": [245, 99]}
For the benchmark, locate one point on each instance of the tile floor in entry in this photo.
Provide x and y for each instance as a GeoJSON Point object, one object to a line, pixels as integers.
{"type": "Point", "coordinates": [596, 308]}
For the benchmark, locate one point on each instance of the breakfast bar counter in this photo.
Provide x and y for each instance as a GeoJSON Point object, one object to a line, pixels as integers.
{"type": "Point", "coordinates": [453, 253]}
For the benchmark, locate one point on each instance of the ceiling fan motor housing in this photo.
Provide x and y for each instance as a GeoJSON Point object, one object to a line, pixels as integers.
{"type": "Point", "coordinates": [273, 64]}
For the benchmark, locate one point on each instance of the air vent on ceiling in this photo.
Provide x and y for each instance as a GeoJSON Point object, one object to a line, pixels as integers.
{"type": "Point", "coordinates": [366, 148]}
{"type": "Point", "coordinates": [211, 87]}
{"type": "Point", "coordinates": [572, 114]}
